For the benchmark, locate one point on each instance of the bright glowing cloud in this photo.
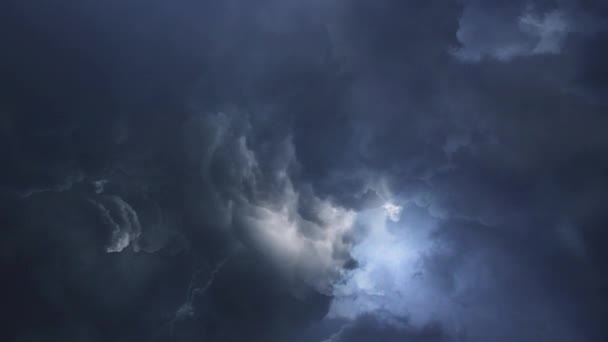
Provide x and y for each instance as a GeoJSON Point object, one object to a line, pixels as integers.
{"type": "Point", "coordinates": [390, 273]}
{"type": "Point", "coordinates": [393, 211]}
{"type": "Point", "coordinates": [302, 234]}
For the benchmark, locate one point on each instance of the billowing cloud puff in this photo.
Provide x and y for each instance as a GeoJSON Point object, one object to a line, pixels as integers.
{"type": "Point", "coordinates": [389, 276]}
{"type": "Point", "coordinates": [485, 33]}
{"type": "Point", "coordinates": [304, 235]}
{"type": "Point", "coordinates": [122, 219]}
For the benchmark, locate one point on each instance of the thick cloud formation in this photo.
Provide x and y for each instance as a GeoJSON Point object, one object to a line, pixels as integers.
{"type": "Point", "coordinates": [366, 328]}
{"type": "Point", "coordinates": [252, 182]}
{"type": "Point", "coordinates": [393, 170]}
{"type": "Point", "coordinates": [518, 29]}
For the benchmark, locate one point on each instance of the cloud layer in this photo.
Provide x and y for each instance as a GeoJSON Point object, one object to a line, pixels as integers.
{"type": "Point", "coordinates": [304, 170]}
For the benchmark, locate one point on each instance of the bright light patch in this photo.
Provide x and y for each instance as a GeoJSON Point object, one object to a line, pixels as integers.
{"type": "Point", "coordinates": [314, 251]}
{"type": "Point", "coordinates": [390, 276]}
{"type": "Point", "coordinates": [393, 211]}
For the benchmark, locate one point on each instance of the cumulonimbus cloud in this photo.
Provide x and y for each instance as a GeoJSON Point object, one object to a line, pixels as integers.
{"type": "Point", "coordinates": [303, 235]}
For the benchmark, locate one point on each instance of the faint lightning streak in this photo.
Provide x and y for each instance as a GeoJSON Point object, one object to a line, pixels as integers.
{"type": "Point", "coordinates": [186, 310]}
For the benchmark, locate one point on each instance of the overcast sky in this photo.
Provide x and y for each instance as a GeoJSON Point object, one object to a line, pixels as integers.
{"type": "Point", "coordinates": [304, 171]}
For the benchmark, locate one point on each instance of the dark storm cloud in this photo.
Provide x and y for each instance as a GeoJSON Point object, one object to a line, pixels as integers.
{"type": "Point", "coordinates": [370, 327]}
{"type": "Point", "coordinates": [488, 146]}
{"type": "Point", "coordinates": [416, 170]}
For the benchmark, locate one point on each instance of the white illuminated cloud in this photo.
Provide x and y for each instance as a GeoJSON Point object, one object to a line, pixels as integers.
{"type": "Point", "coordinates": [390, 272]}
{"type": "Point", "coordinates": [122, 219]}
{"type": "Point", "coordinates": [393, 211]}
{"type": "Point", "coordinates": [314, 251]}
{"type": "Point", "coordinates": [302, 234]}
